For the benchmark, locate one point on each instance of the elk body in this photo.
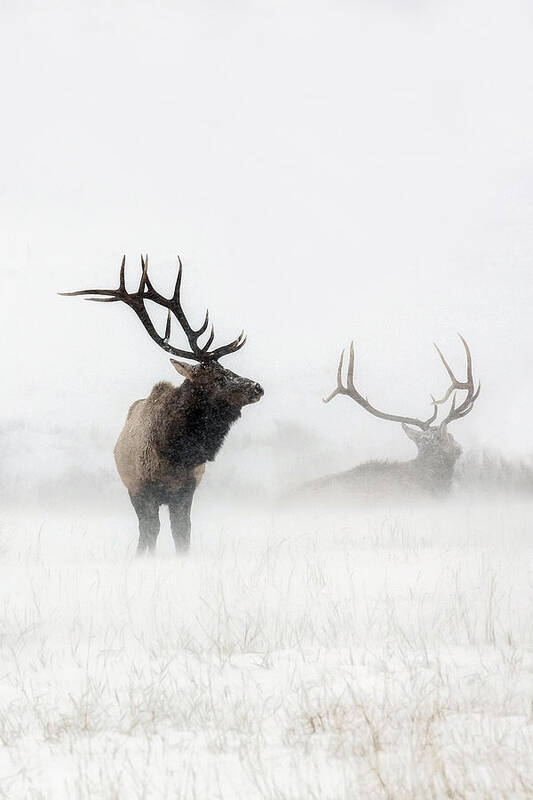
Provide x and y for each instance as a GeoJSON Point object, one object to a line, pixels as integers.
{"type": "Point", "coordinates": [431, 472]}
{"type": "Point", "coordinates": [169, 436]}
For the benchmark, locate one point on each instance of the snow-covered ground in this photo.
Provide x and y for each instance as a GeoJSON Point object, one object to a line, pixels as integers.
{"type": "Point", "coordinates": [302, 653]}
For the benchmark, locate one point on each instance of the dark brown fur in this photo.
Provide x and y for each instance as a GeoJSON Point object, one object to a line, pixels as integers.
{"type": "Point", "coordinates": [168, 438]}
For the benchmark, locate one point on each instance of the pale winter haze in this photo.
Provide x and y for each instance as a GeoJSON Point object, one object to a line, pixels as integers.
{"type": "Point", "coordinates": [327, 171]}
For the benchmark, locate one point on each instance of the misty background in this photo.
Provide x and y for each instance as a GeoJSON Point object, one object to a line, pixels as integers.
{"type": "Point", "coordinates": [326, 170]}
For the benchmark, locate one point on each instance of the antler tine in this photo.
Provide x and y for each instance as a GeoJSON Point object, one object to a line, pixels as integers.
{"type": "Point", "coordinates": [447, 366]}
{"type": "Point", "coordinates": [340, 388]}
{"type": "Point", "coordinates": [469, 374]}
{"type": "Point", "coordinates": [339, 372]}
{"type": "Point", "coordinates": [177, 287]}
{"type": "Point", "coordinates": [433, 417]}
{"type": "Point", "coordinates": [102, 299]}
{"type": "Point", "coordinates": [107, 292]}
{"type": "Point", "coordinates": [205, 323]}
{"type": "Point", "coordinates": [174, 304]}
{"type": "Point", "coordinates": [447, 396]}
{"type": "Point", "coordinates": [351, 365]}
{"type": "Point", "coordinates": [122, 284]}
{"type": "Point", "coordinates": [144, 274]}
{"type": "Point", "coordinates": [211, 337]}
{"type": "Point", "coordinates": [168, 325]}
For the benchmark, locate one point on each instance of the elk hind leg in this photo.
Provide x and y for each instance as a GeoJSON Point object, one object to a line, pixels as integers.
{"type": "Point", "coordinates": [147, 509]}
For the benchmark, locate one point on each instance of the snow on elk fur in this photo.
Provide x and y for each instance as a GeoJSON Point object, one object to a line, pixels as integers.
{"type": "Point", "coordinates": [169, 436]}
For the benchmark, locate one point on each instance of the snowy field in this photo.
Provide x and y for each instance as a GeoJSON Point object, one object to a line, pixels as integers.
{"type": "Point", "coordinates": [309, 654]}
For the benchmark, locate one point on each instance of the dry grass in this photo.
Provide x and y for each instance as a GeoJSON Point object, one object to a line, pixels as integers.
{"type": "Point", "coordinates": [291, 657]}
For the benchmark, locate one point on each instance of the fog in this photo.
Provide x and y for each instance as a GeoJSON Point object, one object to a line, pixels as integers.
{"type": "Point", "coordinates": [326, 171]}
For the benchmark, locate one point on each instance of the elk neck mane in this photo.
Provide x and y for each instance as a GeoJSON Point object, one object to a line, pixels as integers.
{"type": "Point", "coordinates": [189, 426]}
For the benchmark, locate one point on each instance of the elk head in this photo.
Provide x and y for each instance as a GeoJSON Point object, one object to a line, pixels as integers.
{"type": "Point", "coordinates": [434, 442]}
{"type": "Point", "coordinates": [220, 384]}
{"type": "Point", "coordinates": [217, 383]}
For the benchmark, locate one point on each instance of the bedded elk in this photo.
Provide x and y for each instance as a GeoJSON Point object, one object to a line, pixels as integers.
{"type": "Point", "coordinates": [169, 436]}
{"type": "Point", "coordinates": [432, 469]}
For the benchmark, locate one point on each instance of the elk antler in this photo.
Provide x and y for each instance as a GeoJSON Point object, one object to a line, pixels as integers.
{"type": "Point", "coordinates": [457, 412]}
{"type": "Point", "coordinates": [136, 301]}
{"type": "Point", "coordinates": [352, 392]}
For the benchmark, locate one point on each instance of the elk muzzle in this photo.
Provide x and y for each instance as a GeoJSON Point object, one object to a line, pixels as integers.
{"type": "Point", "coordinates": [256, 393]}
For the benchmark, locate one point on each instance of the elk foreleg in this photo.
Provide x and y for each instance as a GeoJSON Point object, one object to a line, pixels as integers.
{"type": "Point", "coordinates": [179, 507]}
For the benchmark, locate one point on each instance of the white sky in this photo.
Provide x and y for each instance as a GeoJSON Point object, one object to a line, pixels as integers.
{"type": "Point", "coordinates": [325, 169]}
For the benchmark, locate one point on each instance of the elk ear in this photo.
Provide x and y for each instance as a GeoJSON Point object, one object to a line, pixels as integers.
{"type": "Point", "coordinates": [187, 370]}
{"type": "Point", "coordinates": [412, 433]}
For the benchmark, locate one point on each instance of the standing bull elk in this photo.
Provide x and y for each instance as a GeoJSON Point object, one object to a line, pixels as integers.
{"type": "Point", "coordinates": [432, 470]}
{"type": "Point", "coordinates": [169, 436]}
